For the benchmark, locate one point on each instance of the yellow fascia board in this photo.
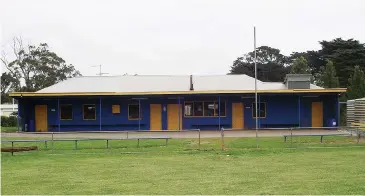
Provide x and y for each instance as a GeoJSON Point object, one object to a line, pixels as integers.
{"type": "Point", "coordinates": [35, 94]}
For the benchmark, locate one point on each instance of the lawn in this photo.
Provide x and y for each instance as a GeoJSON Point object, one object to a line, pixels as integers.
{"type": "Point", "coordinates": [9, 129]}
{"type": "Point", "coordinates": [303, 166]}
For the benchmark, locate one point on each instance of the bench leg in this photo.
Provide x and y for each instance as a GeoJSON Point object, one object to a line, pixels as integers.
{"type": "Point", "coordinates": [107, 144]}
{"type": "Point", "coordinates": [285, 139]}
{"type": "Point", "coordinates": [12, 148]}
{"type": "Point", "coordinates": [137, 143]}
{"type": "Point", "coordinates": [321, 139]}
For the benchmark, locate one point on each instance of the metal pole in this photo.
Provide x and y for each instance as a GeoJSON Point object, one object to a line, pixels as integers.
{"type": "Point", "coordinates": [222, 138]}
{"type": "Point", "coordinates": [338, 111]}
{"type": "Point", "coordinates": [299, 110]}
{"type": "Point", "coordinates": [139, 114]}
{"type": "Point", "coordinates": [219, 112]}
{"type": "Point", "coordinates": [59, 114]}
{"type": "Point", "coordinates": [18, 116]}
{"type": "Point", "coordinates": [100, 114]}
{"type": "Point", "coordinates": [179, 111]}
{"type": "Point", "coordinates": [199, 138]}
{"type": "Point", "coordinates": [52, 142]}
{"type": "Point", "coordinates": [254, 32]}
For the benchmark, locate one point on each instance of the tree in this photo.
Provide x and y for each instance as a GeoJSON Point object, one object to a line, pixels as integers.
{"type": "Point", "coordinates": [328, 77]}
{"type": "Point", "coordinates": [314, 60]}
{"type": "Point", "coordinates": [270, 64]}
{"type": "Point", "coordinates": [8, 83]}
{"type": "Point", "coordinates": [345, 55]}
{"type": "Point", "coordinates": [300, 66]}
{"type": "Point", "coordinates": [37, 67]}
{"type": "Point", "coordinates": [356, 88]}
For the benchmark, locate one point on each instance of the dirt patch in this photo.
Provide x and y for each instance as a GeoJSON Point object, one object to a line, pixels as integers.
{"type": "Point", "coordinates": [19, 149]}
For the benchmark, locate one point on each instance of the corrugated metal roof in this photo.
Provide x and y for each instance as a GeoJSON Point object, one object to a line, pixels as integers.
{"type": "Point", "coordinates": [159, 83]}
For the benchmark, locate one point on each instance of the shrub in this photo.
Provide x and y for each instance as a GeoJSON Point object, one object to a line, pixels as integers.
{"type": "Point", "coordinates": [8, 121]}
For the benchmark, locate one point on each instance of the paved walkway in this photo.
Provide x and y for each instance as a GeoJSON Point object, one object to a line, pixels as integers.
{"type": "Point", "coordinates": [172, 134]}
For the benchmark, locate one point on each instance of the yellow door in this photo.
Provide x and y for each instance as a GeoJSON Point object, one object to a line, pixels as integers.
{"type": "Point", "coordinates": [237, 116]}
{"type": "Point", "coordinates": [155, 117]}
{"type": "Point", "coordinates": [173, 120]}
{"type": "Point", "coordinates": [317, 114]}
{"type": "Point", "coordinates": [41, 124]}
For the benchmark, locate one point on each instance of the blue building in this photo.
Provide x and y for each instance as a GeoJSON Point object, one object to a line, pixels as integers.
{"type": "Point", "coordinates": [105, 103]}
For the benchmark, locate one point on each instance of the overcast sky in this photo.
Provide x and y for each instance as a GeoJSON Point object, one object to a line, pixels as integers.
{"type": "Point", "coordinates": [175, 37]}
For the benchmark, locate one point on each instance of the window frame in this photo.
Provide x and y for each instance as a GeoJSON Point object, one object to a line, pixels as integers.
{"type": "Point", "coordinates": [83, 112]}
{"type": "Point", "coordinates": [140, 112]}
{"type": "Point", "coordinates": [61, 112]}
{"type": "Point", "coordinates": [254, 107]}
{"type": "Point", "coordinates": [203, 116]}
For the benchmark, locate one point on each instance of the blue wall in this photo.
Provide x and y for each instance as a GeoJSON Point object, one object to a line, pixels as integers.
{"type": "Point", "coordinates": [281, 111]}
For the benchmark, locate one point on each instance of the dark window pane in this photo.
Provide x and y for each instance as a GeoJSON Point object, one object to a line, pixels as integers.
{"type": "Point", "coordinates": [133, 111]}
{"type": "Point", "coordinates": [198, 109]}
{"type": "Point", "coordinates": [188, 110]}
{"type": "Point", "coordinates": [66, 112]}
{"type": "Point", "coordinates": [89, 112]}
{"type": "Point", "coordinates": [261, 108]}
{"type": "Point", "coordinates": [222, 110]}
{"type": "Point", "coordinates": [209, 108]}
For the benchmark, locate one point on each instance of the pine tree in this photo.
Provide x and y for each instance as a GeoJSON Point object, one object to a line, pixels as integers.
{"type": "Point", "coordinates": [328, 77]}
{"type": "Point", "coordinates": [356, 87]}
{"type": "Point", "coordinates": [300, 66]}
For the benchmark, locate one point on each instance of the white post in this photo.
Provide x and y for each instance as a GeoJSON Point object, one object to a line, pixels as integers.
{"type": "Point", "coordinates": [254, 35]}
{"type": "Point", "coordinates": [13, 105]}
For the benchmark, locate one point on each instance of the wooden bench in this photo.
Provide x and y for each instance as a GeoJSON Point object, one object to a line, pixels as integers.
{"type": "Point", "coordinates": [320, 135]}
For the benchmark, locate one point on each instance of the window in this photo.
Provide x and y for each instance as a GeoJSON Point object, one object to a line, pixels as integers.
{"type": "Point", "coordinates": [89, 112]}
{"type": "Point", "coordinates": [188, 109]}
{"type": "Point", "coordinates": [261, 108]}
{"type": "Point", "coordinates": [66, 112]}
{"type": "Point", "coordinates": [204, 109]}
{"type": "Point", "coordinates": [222, 109]}
{"type": "Point", "coordinates": [116, 109]}
{"type": "Point", "coordinates": [209, 108]}
{"type": "Point", "coordinates": [133, 112]}
{"type": "Point", "coordinates": [198, 109]}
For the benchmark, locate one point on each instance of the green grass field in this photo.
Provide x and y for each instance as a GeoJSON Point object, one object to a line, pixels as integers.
{"type": "Point", "coordinates": [9, 129]}
{"type": "Point", "coordinates": [304, 166]}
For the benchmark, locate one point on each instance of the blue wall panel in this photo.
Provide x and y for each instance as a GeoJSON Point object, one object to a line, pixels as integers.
{"type": "Point", "coordinates": [281, 111]}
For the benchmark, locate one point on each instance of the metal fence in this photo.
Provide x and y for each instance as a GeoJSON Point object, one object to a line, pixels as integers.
{"type": "Point", "coordinates": [290, 137]}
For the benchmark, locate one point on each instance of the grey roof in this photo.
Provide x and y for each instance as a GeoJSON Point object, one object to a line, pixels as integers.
{"type": "Point", "coordinates": [161, 83]}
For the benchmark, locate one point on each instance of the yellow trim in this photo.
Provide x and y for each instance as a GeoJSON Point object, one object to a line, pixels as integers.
{"type": "Point", "coordinates": [140, 112]}
{"type": "Point", "coordinates": [61, 112]}
{"type": "Point", "coordinates": [225, 111]}
{"type": "Point", "coordinates": [116, 109]}
{"type": "Point", "coordinates": [35, 94]}
{"type": "Point", "coordinates": [254, 108]}
{"type": "Point", "coordinates": [83, 117]}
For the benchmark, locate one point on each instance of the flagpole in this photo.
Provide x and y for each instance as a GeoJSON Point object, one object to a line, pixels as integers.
{"type": "Point", "coordinates": [254, 37]}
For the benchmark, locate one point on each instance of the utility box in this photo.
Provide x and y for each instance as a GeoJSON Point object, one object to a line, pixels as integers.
{"type": "Point", "coordinates": [298, 81]}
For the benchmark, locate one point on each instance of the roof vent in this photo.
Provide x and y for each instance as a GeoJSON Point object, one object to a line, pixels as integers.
{"type": "Point", "coordinates": [298, 81]}
{"type": "Point", "coordinates": [191, 83]}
